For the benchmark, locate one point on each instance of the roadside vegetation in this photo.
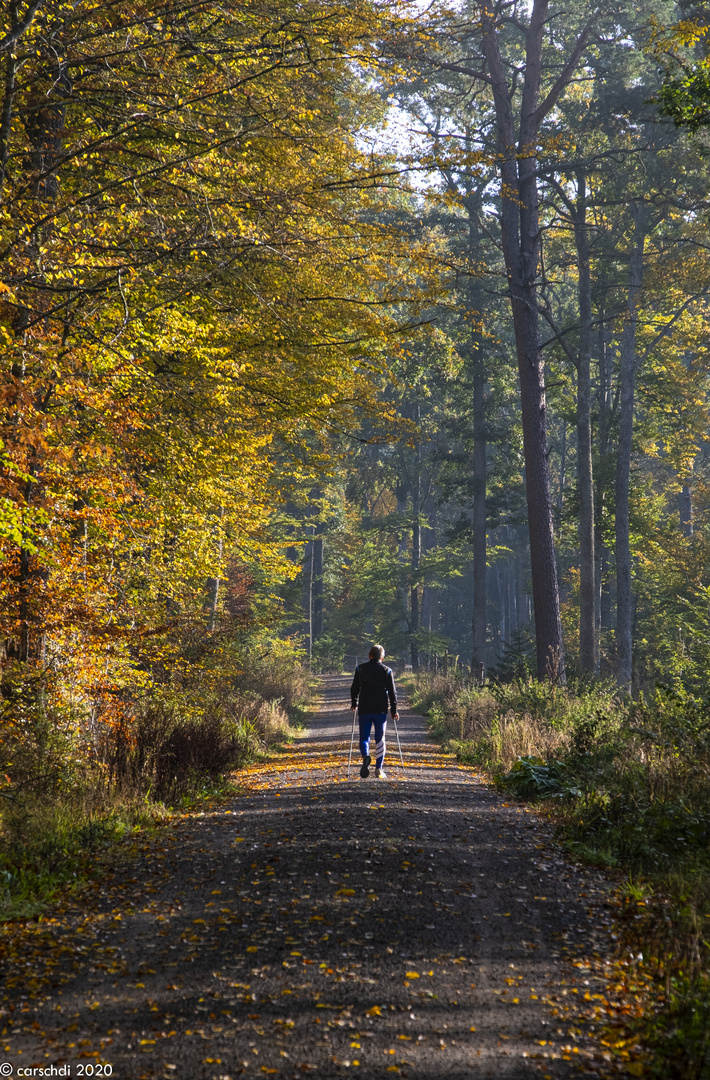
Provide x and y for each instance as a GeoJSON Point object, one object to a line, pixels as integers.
{"type": "Point", "coordinates": [626, 783]}
{"type": "Point", "coordinates": [79, 788]}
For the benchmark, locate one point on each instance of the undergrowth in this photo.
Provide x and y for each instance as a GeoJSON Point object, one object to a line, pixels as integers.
{"type": "Point", "coordinates": [72, 788]}
{"type": "Point", "coordinates": [628, 785]}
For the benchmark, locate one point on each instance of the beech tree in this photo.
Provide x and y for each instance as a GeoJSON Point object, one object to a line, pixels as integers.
{"type": "Point", "coordinates": [194, 293]}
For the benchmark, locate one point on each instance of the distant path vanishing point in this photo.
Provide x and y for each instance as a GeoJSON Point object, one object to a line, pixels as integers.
{"type": "Point", "coordinates": [419, 926]}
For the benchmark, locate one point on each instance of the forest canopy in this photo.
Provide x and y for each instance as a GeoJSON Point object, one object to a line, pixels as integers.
{"type": "Point", "coordinates": [327, 322]}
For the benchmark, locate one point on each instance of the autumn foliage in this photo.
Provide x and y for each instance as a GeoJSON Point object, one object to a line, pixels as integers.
{"type": "Point", "coordinates": [193, 293]}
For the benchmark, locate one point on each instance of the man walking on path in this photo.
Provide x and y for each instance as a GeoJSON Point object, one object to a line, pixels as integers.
{"type": "Point", "coordinates": [372, 686]}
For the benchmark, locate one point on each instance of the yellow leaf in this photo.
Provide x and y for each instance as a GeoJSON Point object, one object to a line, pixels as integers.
{"type": "Point", "coordinates": [374, 1011]}
{"type": "Point", "coordinates": [412, 975]}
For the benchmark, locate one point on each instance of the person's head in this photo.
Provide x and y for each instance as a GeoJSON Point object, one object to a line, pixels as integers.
{"type": "Point", "coordinates": [376, 652]}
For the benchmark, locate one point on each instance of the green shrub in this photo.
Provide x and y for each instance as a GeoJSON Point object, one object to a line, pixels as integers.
{"type": "Point", "coordinates": [533, 778]}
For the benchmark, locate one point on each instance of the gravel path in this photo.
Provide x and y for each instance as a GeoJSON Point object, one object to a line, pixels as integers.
{"type": "Point", "coordinates": [419, 926]}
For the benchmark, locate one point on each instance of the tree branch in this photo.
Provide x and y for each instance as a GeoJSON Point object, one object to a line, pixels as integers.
{"type": "Point", "coordinates": [565, 75]}
{"type": "Point", "coordinates": [19, 29]}
{"type": "Point", "coordinates": [459, 69]}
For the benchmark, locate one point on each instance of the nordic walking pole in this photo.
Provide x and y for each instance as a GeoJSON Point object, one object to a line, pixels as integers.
{"type": "Point", "coordinates": [398, 743]}
{"type": "Point", "coordinates": [352, 736]}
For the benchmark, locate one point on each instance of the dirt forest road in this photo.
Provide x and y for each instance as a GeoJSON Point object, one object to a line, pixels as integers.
{"type": "Point", "coordinates": [419, 926]}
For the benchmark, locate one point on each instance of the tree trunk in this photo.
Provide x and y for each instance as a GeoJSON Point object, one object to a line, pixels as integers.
{"type": "Point", "coordinates": [6, 113]}
{"type": "Point", "coordinates": [23, 649]}
{"type": "Point", "coordinates": [480, 554]}
{"type": "Point", "coordinates": [216, 580]}
{"type": "Point", "coordinates": [588, 652]}
{"type": "Point", "coordinates": [311, 559]}
{"type": "Point", "coordinates": [430, 607]}
{"type": "Point", "coordinates": [602, 592]}
{"type": "Point", "coordinates": [520, 235]}
{"type": "Point", "coordinates": [685, 508]}
{"type": "Point", "coordinates": [627, 377]}
{"type": "Point", "coordinates": [522, 602]}
{"type": "Point", "coordinates": [402, 494]}
{"type": "Point", "coordinates": [317, 587]}
{"type": "Point", "coordinates": [501, 613]}
{"type": "Point", "coordinates": [563, 470]}
{"type": "Point", "coordinates": [507, 598]}
{"type": "Point", "coordinates": [416, 558]}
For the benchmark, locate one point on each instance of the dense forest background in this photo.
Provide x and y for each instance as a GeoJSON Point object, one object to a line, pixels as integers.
{"type": "Point", "coordinates": [425, 541]}
{"type": "Point", "coordinates": [324, 323]}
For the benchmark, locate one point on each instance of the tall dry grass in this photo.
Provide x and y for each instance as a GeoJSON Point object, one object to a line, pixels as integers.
{"type": "Point", "coordinates": [628, 785]}
{"type": "Point", "coordinates": [480, 729]}
{"type": "Point", "coordinates": [77, 786]}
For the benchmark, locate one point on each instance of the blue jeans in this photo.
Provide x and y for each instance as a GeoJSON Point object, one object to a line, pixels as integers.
{"type": "Point", "coordinates": [380, 721]}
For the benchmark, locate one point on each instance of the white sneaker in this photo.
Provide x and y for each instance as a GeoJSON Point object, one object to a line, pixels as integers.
{"type": "Point", "coordinates": [380, 774]}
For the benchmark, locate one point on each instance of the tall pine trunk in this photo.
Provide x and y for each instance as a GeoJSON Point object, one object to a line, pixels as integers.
{"type": "Point", "coordinates": [520, 236]}
{"type": "Point", "coordinates": [602, 591]}
{"type": "Point", "coordinates": [416, 558]}
{"type": "Point", "coordinates": [479, 622]}
{"type": "Point", "coordinates": [588, 652]}
{"type": "Point", "coordinates": [430, 605]}
{"type": "Point", "coordinates": [627, 380]}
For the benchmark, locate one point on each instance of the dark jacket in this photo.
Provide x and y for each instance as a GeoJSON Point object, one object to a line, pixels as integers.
{"type": "Point", "coordinates": [372, 686]}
